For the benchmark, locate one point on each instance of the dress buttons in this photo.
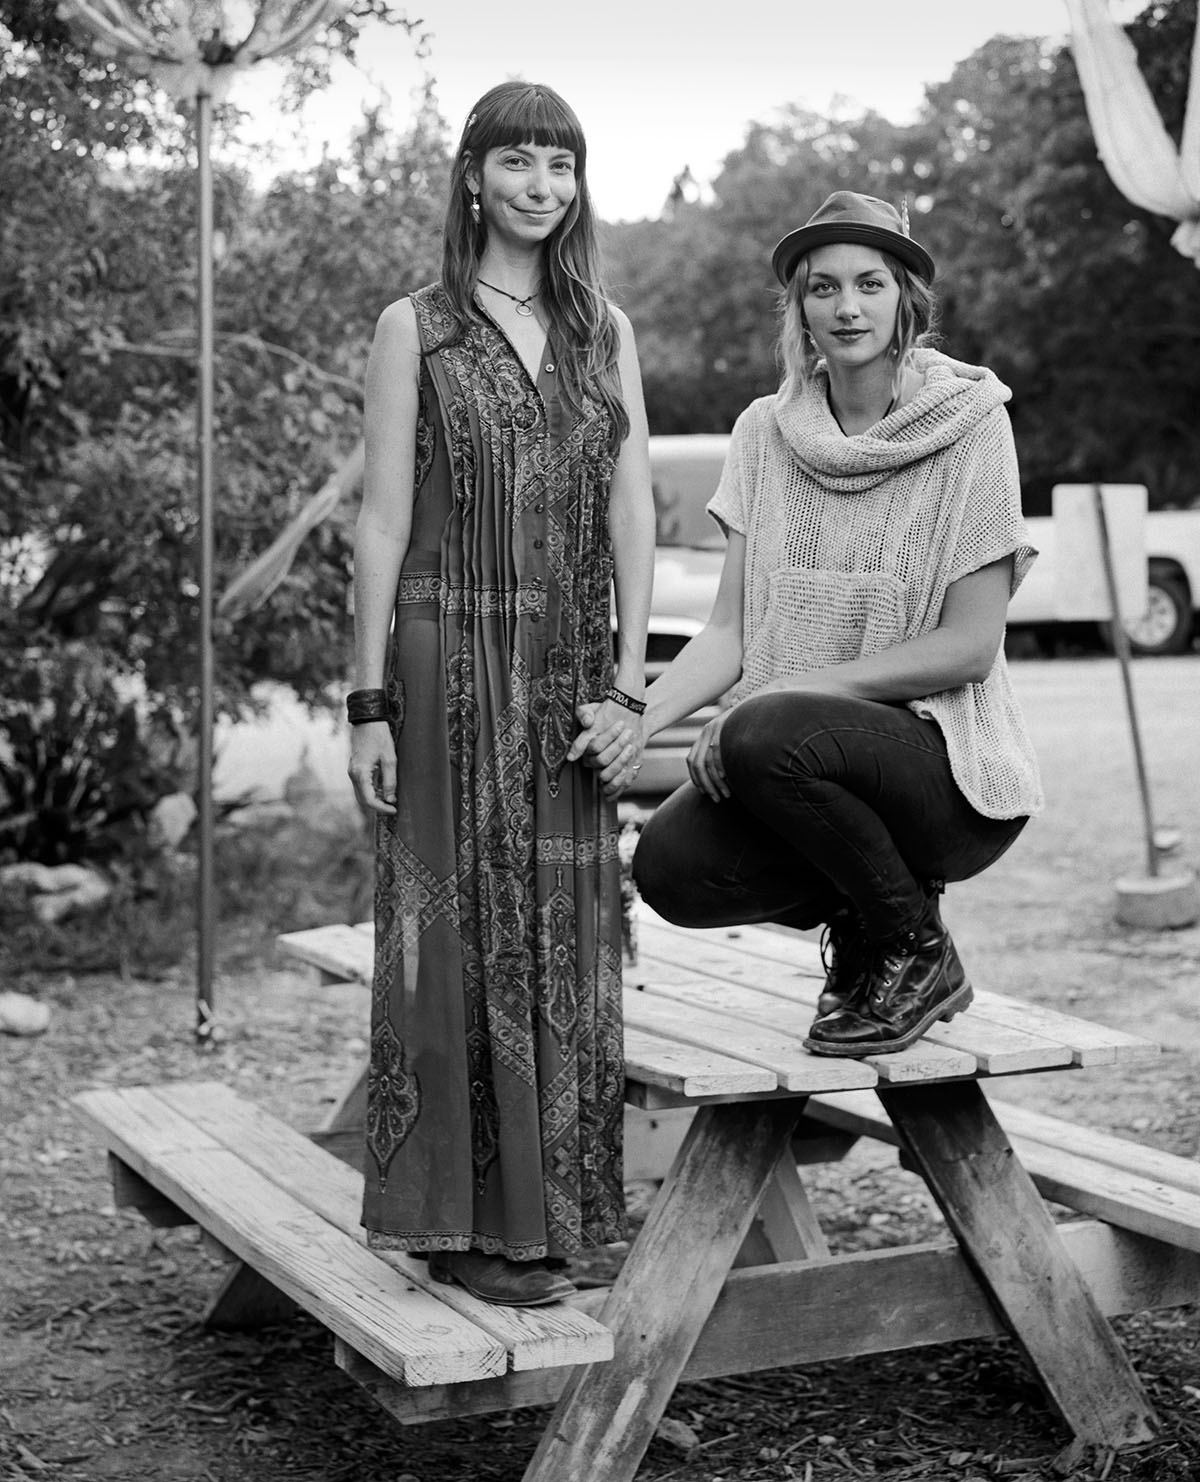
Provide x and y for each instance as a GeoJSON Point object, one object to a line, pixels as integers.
{"type": "Point", "coordinates": [539, 508]}
{"type": "Point", "coordinates": [550, 366]}
{"type": "Point", "coordinates": [537, 545]}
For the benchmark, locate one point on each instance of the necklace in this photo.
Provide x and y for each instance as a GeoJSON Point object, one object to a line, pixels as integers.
{"type": "Point", "coordinates": [523, 305]}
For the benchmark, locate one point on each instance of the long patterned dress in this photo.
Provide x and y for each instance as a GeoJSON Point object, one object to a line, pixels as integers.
{"type": "Point", "coordinates": [497, 1075]}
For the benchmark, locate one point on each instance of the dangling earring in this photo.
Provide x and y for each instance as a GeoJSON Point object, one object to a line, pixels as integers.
{"type": "Point", "coordinates": [475, 204]}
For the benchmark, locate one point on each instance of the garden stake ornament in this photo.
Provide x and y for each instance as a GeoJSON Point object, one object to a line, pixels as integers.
{"type": "Point", "coordinates": [191, 49]}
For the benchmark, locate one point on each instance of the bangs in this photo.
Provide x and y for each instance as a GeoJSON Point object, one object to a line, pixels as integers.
{"type": "Point", "coordinates": [525, 113]}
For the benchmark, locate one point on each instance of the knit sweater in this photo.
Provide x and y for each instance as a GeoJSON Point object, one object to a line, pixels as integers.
{"type": "Point", "coordinates": [852, 542]}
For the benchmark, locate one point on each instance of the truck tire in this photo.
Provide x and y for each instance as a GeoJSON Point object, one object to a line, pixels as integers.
{"type": "Point", "coordinates": [1167, 626]}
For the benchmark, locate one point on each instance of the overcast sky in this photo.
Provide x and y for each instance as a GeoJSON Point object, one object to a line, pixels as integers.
{"type": "Point", "coordinates": [660, 84]}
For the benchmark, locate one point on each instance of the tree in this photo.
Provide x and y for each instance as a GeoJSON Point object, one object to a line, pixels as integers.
{"type": "Point", "coordinates": [97, 504]}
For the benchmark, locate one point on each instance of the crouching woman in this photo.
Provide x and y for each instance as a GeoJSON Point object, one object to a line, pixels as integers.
{"type": "Point", "coordinates": [870, 747]}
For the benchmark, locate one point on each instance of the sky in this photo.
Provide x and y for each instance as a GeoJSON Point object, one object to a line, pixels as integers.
{"type": "Point", "coordinates": [660, 84]}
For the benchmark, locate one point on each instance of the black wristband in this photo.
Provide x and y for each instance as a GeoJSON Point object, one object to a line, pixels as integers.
{"type": "Point", "coordinates": [619, 697]}
{"type": "Point", "coordinates": [364, 706]}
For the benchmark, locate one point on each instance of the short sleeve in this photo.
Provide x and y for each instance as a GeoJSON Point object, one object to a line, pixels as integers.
{"type": "Point", "coordinates": [730, 505]}
{"type": "Point", "coordinates": [992, 524]}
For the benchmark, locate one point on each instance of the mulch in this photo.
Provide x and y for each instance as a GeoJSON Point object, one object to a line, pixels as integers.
{"type": "Point", "coordinates": [107, 1372]}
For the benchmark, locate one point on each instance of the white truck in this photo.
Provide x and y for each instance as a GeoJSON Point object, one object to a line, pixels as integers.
{"type": "Point", "coordinates": [1172, 617]}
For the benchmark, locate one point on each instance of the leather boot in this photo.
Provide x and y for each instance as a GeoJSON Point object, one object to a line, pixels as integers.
{"type": "Point", "coordinates": [911, 981]}
{"type": "Point", "coordinates": [845, 954]}
{"type": "Point", "coordinates": [495, 1279]}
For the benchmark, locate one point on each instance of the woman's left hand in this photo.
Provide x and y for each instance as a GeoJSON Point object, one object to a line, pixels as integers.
{"type": "Point", "coordinates": [610, 741]}
{"type": "Point", "coordinates": [704, 763]}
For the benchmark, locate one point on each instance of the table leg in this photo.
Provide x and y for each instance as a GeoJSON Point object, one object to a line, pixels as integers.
{"type": "Point", "coordinates": [665, 1292]}
{"type": "Point", "coordinates": [1008, 1236]}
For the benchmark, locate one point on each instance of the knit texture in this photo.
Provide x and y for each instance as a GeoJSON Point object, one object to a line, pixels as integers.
{"type": "Point", "coordinates": [852, 542]}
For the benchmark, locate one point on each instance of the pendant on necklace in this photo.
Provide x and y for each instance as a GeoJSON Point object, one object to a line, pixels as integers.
{"type": "Point", "coordinates": [525, 308]}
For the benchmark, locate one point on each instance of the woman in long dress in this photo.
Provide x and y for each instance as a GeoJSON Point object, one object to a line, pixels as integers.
{"type": "Point", "coordinates": [507, 488]}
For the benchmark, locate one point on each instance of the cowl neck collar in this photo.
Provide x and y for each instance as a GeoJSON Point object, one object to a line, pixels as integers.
{"type": "Point", "coordinates": [954, 398]}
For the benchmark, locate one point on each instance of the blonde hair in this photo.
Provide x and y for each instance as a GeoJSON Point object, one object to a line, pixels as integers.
{"type": "Point", "coordinates": [580, 317]}
{"type": "Point", "coordinates": [916, 316]}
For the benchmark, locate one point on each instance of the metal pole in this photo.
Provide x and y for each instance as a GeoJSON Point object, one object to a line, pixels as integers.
{"type": "Point", "coordinates": [1121, 645]}
{"type": "Point", "coordinates": [206, 907]}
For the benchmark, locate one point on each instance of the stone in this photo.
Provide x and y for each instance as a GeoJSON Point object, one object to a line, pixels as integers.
{"type": "Point", "coordinates": [170, 819]}
{"type": "Point", "coordinates": [86, 891]}
{"type": "Point", "coordinates": [20, 1014]}
{"type": "Point", "coordinates": [1158, 902]}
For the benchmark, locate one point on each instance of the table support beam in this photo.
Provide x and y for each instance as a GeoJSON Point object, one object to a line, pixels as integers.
{"type": "Point", "coordinates": [1008, 1236]}
{"type": "Point", "coordinates": [665, 1293]}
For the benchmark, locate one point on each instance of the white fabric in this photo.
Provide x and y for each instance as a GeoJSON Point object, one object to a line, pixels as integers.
{"type": "Point", "coordinates": [1138, 153]}
{"type": "Point", "coordinates": [851, 543]}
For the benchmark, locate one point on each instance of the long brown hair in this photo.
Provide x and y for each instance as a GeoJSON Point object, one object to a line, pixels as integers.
{"type": "Point", "coordinates": [581, 320]}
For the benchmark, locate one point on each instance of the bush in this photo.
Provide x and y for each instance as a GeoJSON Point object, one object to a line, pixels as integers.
{"type": "Point", "coordinates": [81, 767]}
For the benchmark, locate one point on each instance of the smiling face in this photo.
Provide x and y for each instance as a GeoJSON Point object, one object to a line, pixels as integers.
{"type": "Point", "coordinates": [850, 298]}
{"type": "Point", "coordinates": [525, 190]}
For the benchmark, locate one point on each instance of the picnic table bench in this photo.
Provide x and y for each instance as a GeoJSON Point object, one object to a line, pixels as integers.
{"type": "Point", "coordinates": [731, 1271]}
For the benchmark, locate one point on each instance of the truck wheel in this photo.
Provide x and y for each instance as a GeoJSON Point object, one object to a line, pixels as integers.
{"type": "Point", "coordinates": [1166, 627]}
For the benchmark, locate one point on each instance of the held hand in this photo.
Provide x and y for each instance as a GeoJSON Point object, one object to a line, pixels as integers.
{"type": "Point", "coordinates": [610, 742]}
{"type": "Point", "coordinates": [704, 763]}
{"type": "Point", "coordinates": [373, 766]}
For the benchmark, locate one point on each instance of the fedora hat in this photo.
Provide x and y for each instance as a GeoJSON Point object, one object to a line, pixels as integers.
{"type": "Point", "coordinates": [849, 217]}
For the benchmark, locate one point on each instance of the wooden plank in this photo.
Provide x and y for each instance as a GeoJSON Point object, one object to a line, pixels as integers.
{"type": "Point", "coordinates": [1098, 1147]}
{"type": "Point", "coordinates": [782, 1054]}
{"type": "Point", "coordinates": [344, 951]}
{"type": "Point", "coordinates": [1005, 1230]}
{"type": "Point", "coordinates": [788, 1219]}
{"type": "Point", "coordinates": [867, 1302]}
{"type": "Point", "coordinates": [785, 947]}
{"type": "Point", "coordinates": [535, 1337]}
{"type": "Point", "coordinates": [708, 955]}
{"type": "Point", "coordinates": [350, 1110]}
{"type": "Point", "coordinates": [131, 1191]}
{"type": "Point", "coordinates": [1163, 1201]}
{"type": "Point", "coordinates": [704, 1003]}
{"type": "Point", "coordinates": [402, 1330]}
{"type": "Point", "coordinates": [1091, 1044]}
{"type": "Point", "coordinates": [665, 1292]}
{"type": "Point", "coordinates": [688, 1071]}
{"type": "Point", "coordinates": [247, 1300]}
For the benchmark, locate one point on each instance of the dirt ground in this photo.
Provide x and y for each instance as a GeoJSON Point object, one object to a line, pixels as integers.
{"type": "Point", "coordinates": [105, 1371]}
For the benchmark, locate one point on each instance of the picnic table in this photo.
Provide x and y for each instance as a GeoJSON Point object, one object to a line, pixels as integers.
{"type": "Point", "coordinates": [730, 1271]}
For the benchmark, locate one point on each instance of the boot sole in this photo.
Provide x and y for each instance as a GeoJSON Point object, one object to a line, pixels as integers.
{"type": "Point", "coordinates": [945, 1011]}
{"type": "Point", "coordinates": [447, 1278]}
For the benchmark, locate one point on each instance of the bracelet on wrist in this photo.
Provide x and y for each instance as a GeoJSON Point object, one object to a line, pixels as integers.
{"type": "Point", "coordinates": [365, 706]}
{"type": "Point", "coordinates": [619, 697]}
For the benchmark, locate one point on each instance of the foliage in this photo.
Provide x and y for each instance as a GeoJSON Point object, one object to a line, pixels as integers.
{"type": "Point", "coordinates": [97, 503]}
{"type": "Point", "coordinates": [80, 766]}
{"type": "Point", "coordinates": [1046, 273]}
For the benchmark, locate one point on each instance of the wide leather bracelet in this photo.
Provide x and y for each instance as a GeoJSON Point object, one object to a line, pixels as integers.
{"type": "Point", "coordinates": [365, 706]}
{"type": "Point", "coordinates": [619, 697]}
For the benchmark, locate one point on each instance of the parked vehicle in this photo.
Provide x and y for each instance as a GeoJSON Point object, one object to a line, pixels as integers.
{"type": "Point", "coordinates": [1172, 616]}
{"type": "Point", "coordinates": [689, 551]}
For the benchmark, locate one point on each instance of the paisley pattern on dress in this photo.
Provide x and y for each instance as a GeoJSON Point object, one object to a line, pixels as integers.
{"type": "Point", "coordinates": [495, 1096]}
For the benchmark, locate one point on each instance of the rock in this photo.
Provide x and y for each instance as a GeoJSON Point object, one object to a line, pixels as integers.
{"type": "Point", "coordinates": [170, 819]}
{"type": "Point", "coordinates": [20, 1014]}
{"type": "Point", "coordinates": [88, 891]}
{"type": "Point", "coordinates": [677, 1433]}
{"type": "Point", "coordinates": [42, 879]}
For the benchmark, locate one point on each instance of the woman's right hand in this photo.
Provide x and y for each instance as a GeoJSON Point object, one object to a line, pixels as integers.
{"type": "Point", "coordinates": [705, 765]}
{"type": "Point", "coordinates": [373, 766]}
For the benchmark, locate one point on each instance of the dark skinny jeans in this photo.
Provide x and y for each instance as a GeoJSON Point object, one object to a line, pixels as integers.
{"type": "Point", "coordinates": [834, 801]}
